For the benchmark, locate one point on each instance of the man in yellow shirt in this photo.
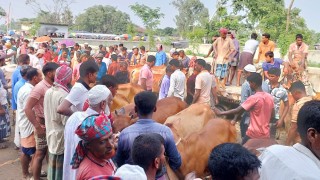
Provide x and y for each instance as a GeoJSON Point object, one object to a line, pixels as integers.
{"type": "Point", "coordinates": [265, 45]}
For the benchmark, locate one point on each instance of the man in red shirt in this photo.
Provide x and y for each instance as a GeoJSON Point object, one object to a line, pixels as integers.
{"type": "Point", "coordinates": [94, 152]}
{"type": "Point", "coordinates": [114, 66]}
{"type": "Point", "coordinates": [261, 109]}
{"type": "Point", "coordinates": [47, 54]}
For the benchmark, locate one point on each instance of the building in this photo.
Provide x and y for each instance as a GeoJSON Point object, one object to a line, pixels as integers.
{"type": "Point", "coordinates": [53, 30]}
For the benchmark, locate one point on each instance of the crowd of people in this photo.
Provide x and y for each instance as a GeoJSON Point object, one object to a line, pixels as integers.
{"type": "Point", "coordinates": [61, 98]}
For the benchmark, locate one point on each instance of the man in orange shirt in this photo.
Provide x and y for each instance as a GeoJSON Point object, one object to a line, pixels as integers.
{"type": "Point", "coordinates": [113, 67]}
{"type": "Point", "coordinates": [265, 45]}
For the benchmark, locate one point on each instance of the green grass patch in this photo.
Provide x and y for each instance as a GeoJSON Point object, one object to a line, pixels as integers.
{"type": "Point", "coordinates": [314, 64]}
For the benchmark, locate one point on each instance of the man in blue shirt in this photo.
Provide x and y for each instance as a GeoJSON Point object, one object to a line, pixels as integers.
{"type": "Point", "coordinates": [273, 62]}
{"type": "Point", "coordinates": [23, 59]}
{"type": "Point", "coordinates": [161, 56]}
{"type": "Point", "coordinates": [145, 106]}
{"type": "Point", "coordinates": [165, 84]}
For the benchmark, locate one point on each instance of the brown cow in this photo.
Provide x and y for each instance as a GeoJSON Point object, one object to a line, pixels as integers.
{"type": "Point", "coordinates": [195, 148]}
{"type": "Point", "coordinates": [190, 120]}
{"type": "Point", "coordinates": [125, 95]}
{"type": "Point", "coordinates": [165, 108]}
{"type": "Point", "coordinates": [253, 145]}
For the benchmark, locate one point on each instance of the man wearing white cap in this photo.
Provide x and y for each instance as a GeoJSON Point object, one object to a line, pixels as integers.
{"type": "Point", "coordinates": [38, 61]}
{"type": "Point", "coordinates": [99, 97]}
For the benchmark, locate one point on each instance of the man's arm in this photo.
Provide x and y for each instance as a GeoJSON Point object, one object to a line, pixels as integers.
{"type": "Point", "coordinates": [214, 47]}
{"type": "Point", "coordinates": [31, 102]}
{"type": "Point", "coordinates": [65, 108]}
{"type": "Point", "coordinates": [144, 83]}
{"type": "Point", "coordinates": [284, 114]}
{"type": "Point", "coordinates": [196, 95]}
{"type": "Point", "coordinates": [215, 94]}
{"type": "Point", "coordinates": [209, 52]}
{"type": "Point", "coordinates": [172, 152]}
{"type": "Point", "coordinates": [171, 87]}
{"type": "Point", "coordinates": [266, 75]}
{"type": "Point", "coordinates": [237, 110]}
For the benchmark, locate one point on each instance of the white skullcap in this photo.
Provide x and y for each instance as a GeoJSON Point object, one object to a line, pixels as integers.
{"type": "Point", "coordinates": [250, 68]}
{"type": "Point", "coordinates": [97, 94]}
{"type": "Point", "coordinates": [131, 172]}
{"type": "Point", "coordinates": [172, 51]}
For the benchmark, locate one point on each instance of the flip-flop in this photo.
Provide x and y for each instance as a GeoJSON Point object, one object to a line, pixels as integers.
{"type": "Point", "coordinates": [43, 174]}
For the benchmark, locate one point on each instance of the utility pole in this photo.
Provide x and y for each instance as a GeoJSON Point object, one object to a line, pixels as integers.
{"type": "Point", "coordinates": [8, 17]}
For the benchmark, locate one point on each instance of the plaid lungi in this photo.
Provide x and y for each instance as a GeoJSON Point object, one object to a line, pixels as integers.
{"type": "Point", "coordinates": [55, 166]}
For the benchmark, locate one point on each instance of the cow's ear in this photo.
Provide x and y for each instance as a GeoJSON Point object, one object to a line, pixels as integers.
{"type": "Point", "coordinates": [116, 112]}
{"type": "Point", "coordinates": [132, 116]}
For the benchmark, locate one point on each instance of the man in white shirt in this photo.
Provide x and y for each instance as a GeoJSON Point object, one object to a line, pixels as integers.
{"type": "Point", "coordinates": [38, 62]}
{"type": "Point", "coordinates": [177, 80]}
{"type": "Point", "coordinates": [79, 92]}
{"type": "Point", "coordinates": [246, 57]}
{"type": "Point", "coordinates": [203, 83]}
{"type": "Point", "coordinates": [99, 97]}
{"type": "Point", "coordinates": [302, 160]}
{"type": "Point", "coordinates": [24, 126]}
{"type": "Point", "coordinates": [33, 58]}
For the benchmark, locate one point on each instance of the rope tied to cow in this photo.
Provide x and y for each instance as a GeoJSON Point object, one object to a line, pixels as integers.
{"type": "Point", "coordinates": [179, 140]}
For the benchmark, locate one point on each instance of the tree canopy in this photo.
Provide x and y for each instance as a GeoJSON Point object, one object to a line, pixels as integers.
{"type": "Point", "coordinates": [103, 19]}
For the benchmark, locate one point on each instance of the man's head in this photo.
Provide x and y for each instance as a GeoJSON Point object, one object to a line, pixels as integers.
{"type": "Point", "coordinates": [34, 76]}
{"type": "Point", "coordinates": [269, 56]}
{"type": "Point", "coordinates": [223, 32]}
{"type": "Point", "coordinates": [24, 59]}
{"type": "Point", "coordinates": [265, 37]}
{"type": "Point", "coordinates": [214, 38]}
{"type": "Point", "coordinates": [135, 50]}
{"type": "Point", "coordinates": [30, 50]}
{"type": "Point", "coordinates": [23, 71]}
{"type": "Point", "coordinates": [255, 81]}
{"type": "Point", "coordinates": [123, 66]}
{"type": "Point", "coordinates": [274, 74]}
{"type": "Point", "coordinates": [181, 53]}
{"type": "Point", "coordinates": [49, 70]}
{"type": "Point", "coordinates": [76, 47]}
{"type": "Point", "coordinates": [298, 90]}
{"type": "Point", "coordinates": [84, 57]}
{"type": "Point", "coordinates": [99, 97]}
{"type": "Point", "coordinates": [309, 126]}
{"type": "Point", "coordinates": [159, 47]}
{"type": "Point", "coordinates": [145, 103]}
{"type": "Point", "coordinates": [124, 50]}
{"type": "Point", "coordinates": [86, 45]}
{"type": "Point", "coordinates": [63, 46]}
{"type": "Point", "coordinates": [151, 60]}
{"type": "Point", "coordinates": [114, 57]}
{"type": "Point", "coordinates": [299, 39]}
{"type": "Point", "coordinates": [87, 50]}
{"type": "Point", "coordinates": [99, 58]}
{"type": "Point", "coordinates": [65, 52]}
{"type": "Point", "coordinates": [63, 76]}
{"type": "Point", "coordinates": [208, 67]}
{"type": "Point", "coordinates": [175, 55]}
{"type": "Point", "coordinates": [40, 53]}
{"type": "Point", "coordinates": [200, 65]}
{"type": "Point", "coordinates": [120, 45]}
{"type": "Point", "coordinates": [88, 70]}
{"type": "Point", "coordinates": [111, 49]}
{"type": "Point", "coordinates": [232, 161]}
{"type": "Point", "coordinates": [100, 46]}
{"type": "Point", "coordinates": [111, 83]}
{"type": "Point", "coordinates": [174, 64]}
{"type": "Point", "coordinates": [254, 36]}
{"type": "Point", "coordinates": [142, 49]}
{"type": "Point", "coordinates": [168, 71]}
{"type": "Point", "coordinates": [96, 137]}
{"type": "Point", "coordinates": [148, 152]}
{"type": "Point", "coordinates": [248, 69]}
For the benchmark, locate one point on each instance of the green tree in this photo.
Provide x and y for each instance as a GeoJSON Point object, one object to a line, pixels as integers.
{"type": "Point", "coordinates": [150, 18]}
{"type": "Point", "coordinates": [103, 19]}
{"type": "Point", "coordinates": [191, 13]}
{"type": "Point", "coordinates": [2, 12]}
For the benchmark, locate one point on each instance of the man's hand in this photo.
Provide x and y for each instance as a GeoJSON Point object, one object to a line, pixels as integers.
{"type": "Point", "coordinates": [40, 132]}
{"type": "Point", "coordinates": [233, 122]}
{"type": "Point", "coordinates": [2, 112]}
{"type": "Point", "coordinates": [279, 123]}
{"type": "Point", "coordinates": [285, 71]}
{"type": "Point", "coordinates": [216, 111]}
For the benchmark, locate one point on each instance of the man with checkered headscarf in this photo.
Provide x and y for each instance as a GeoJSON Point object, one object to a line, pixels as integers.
{"type": "Point", "coordinates": [55, 122]}
{"type": "Point", "coordinates": [94, 152]}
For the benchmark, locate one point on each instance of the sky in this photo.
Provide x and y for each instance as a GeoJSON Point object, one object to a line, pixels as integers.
{"type": "Point", "coordinates": [309, 9]}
